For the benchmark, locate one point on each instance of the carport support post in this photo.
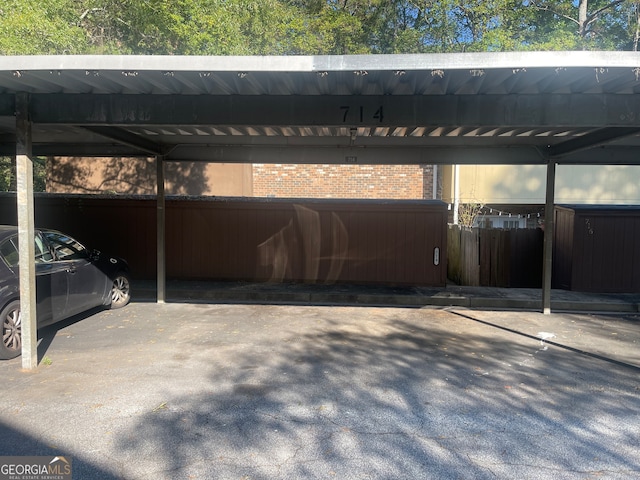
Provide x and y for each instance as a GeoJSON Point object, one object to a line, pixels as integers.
{"type": "Point", "coordinates": [26, 233]}
{"type": "Point", "coordinates": [161, 221]}
{"type": "Point", "coordinates": [549, 227]}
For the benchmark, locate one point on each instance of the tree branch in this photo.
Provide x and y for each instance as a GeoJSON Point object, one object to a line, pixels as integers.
{"type": "Point", "coordinates": [591, 18]}
{"type": "Point", "coordinates": [545, 8]}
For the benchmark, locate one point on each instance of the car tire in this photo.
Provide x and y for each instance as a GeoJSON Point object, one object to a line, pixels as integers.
{"type": "Point", "coordinates": [120, 291]}
{"type": "Point", "coordinates": [11, 329]}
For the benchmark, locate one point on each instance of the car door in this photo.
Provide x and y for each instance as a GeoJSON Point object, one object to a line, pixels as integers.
{"type": "Point", "coordinates": [52, 285]}
{"type": "Point", "coordinates": [51, 281]}
{"type": "Point", "coordinates": [86, 283]}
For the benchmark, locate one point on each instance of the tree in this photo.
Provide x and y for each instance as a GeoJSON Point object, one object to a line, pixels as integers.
{"type": "Point", "coordinates": [474, 25]}
{"type": "Point", "coordinates": [286, 27]}
{"type": "Point", "coordinates": [29, 27]}
{"type": "Point", "coordinates": [634, 24]}
{"type": "Point", "coordinates": [193, 27]}
{"type": "Point", "coordinates": [595, 24]}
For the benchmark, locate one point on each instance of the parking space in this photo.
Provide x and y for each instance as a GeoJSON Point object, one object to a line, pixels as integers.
{"type": "Point", "coordinates": [203, 391]}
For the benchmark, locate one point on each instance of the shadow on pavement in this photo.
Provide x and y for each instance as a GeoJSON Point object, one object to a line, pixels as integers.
{"type": "Point", "coordinates": [404, 400]}
{"type": "Point", "coordinates": [15, 442]}
{"type": "Point", "coordinates": [47, 334]}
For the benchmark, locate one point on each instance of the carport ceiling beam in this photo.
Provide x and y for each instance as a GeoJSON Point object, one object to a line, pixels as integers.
{"type": "Point", "coordinates": [507, 155]}
{"type": "Point", "coordinates": [604, 155]}
{"type": "Point", "coordinates": [525, 111]}
{"type": "Point", "coordinates": [127, 138]}
{"type": "Point", "coordinates": [78, 150]}
{"type": "Point", "coordinates": [593, 139]}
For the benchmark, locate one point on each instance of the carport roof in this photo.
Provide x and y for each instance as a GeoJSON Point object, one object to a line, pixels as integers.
{"type": "Point", "coordinates": [494, 107]}
{"type": "Point", "coordinates": [428, 74]}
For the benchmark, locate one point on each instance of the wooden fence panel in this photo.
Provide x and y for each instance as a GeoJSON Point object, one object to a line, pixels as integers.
{"type": "Point", "coordinates": [324, 241]}
{"type": "Point", "coordinates": [495, 257]}
{"type": "Point", "coordinates": [470, 257]}
{"type": "Point", "coordinates": [454, 249]}
{"type": "Point", "coordinates": [597, 248]}
{"type": "Point", "coordinates": [462, 255]}
{"type": "Point", "coordinates": [526, 258]}
{"type": "Point", "coordinates": [485, 243]}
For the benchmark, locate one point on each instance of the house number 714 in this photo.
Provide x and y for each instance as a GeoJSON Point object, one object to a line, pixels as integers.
{"type": "Point", "coordinates": [359, 112]}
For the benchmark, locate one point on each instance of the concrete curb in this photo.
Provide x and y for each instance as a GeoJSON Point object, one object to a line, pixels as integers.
{"type": "Point", "coordinates": [279, 296]}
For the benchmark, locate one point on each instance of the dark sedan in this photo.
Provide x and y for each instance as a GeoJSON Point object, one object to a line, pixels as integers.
{"type": "Point", "coordinates": [70, 279]}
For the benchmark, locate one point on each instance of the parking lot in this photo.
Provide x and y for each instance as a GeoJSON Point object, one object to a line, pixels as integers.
{"type": "Point", "coordinates": [216, 391]}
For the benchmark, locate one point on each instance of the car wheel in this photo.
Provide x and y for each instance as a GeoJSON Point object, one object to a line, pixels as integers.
{"type": "Point", "coordinates": [120, 291]}
{"type": "Point", "coordinates": [11, 319]}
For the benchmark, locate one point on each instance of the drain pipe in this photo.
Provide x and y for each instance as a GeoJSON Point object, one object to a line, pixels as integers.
{"type": "Point", "coordinates": [456, 193]}
{"type": "Point", "coordinates": [434, 174]}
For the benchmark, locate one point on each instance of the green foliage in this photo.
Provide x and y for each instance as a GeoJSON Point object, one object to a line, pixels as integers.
{"type": "Point", "coordinates": [8, 174]}
{"type": "Point", "coordinates": [337, 31]}
{"type": "Point", "coordinates": [39, 174]}
{"type": "Point", "coordinates": [286, 27]}
{"type": "Point", "coordinates": [29, 27]}
{"type": "Point", "coordinates": [599, 25]}
{"type": "Point", "coordinates": [193, 27]}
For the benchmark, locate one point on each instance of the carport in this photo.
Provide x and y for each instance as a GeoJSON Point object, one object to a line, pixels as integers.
{"type": "Point", "coordinates": [534, 108]}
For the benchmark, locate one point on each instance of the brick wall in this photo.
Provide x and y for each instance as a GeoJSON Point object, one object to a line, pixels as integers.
{"type": "Point", "coordinates": [137, 176]}
{"type": "Point", "coordinates": [343, 181]}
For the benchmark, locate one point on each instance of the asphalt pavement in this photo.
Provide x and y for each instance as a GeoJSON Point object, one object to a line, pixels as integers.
{"type": "Point", "coordinates": [197, 390]}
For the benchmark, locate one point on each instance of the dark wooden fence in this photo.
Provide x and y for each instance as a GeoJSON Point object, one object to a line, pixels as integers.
{"type": "Point", "coordinates": [597, 248]}
{"type": "Point", "coordinates": [495, 257]}
{"type": "Point", "coordinates": [324, 241]}
{"type": "Point", "coordinates": [463, 265]}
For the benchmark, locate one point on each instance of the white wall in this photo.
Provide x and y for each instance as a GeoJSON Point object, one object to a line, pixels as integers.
{"type": "Point", "coordinates": [610, 184]}
{"type": "Point", "coordinates": [525, 184]}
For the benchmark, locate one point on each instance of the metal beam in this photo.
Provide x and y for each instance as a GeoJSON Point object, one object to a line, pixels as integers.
{"type": "Point", "coordinates": [54, 64]}
{"type": "Point", "coordinates": [374, 153]}
{"type": "Point", "coordinates": [76, 150]}
{"type": "Point", "coordinates": [605, 155]}
{"type": "Point", "coordinates": [549, 229]}
{"type": "Point", "coordinates": [26, 233]}
{"type": "Point", "coordinates": [127, 138]}
{"type": "Point", "coordinates": [358, 155]}
{"type": "Point", "coordinates": [522, 110]}
{"type": "Point", "coordinates": [593, 139]}
{"type": "Point", "coordinates": [305, 150]}
{"type": "Point", "coordinates": [160, 233]}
